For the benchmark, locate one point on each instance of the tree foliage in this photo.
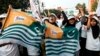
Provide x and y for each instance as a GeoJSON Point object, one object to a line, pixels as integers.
{"type": "Point", "coordinates": [22, 4]}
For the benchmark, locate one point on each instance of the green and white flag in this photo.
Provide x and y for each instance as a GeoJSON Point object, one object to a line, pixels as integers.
{"type": "Point", "coordinates": [65, 46]}
{"type": "Point", "coordinates": [22, 29]}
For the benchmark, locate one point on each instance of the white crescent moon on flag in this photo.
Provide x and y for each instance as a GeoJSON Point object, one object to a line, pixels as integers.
{"type": "Point", "coordinates": [71, 32]}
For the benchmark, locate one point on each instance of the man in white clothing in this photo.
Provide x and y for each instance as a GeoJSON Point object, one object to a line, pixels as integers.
{"type": "Point", "coordinates": [7, 49]}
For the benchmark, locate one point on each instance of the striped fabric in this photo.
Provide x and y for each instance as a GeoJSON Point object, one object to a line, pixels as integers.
{"type": "Point", "coordinates": [28, 36]}
{"type": "Point", "coordinates": [65, 46]}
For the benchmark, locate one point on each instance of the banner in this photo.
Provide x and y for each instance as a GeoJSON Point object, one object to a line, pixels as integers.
{"type": "Point", "coordinates": [35, 9]}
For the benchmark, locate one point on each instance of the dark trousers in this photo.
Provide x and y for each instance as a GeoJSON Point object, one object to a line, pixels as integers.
{"type": "Point", "coordinates": [92, 53]}
{"type": "Point", "coordinates": [82, 44]}
{"type": "Point", "coordinates": [23, 51]}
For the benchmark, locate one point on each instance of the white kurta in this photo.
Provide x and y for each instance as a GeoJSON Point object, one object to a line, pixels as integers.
{"type": "Point", "coordinates": [59, 22]}
{"type": "Point", "coordinates": [91, 43]}
{"type": "Point", "coordinates": [84, 31]}
{"type": "Point", "coordinates": [9, 50]}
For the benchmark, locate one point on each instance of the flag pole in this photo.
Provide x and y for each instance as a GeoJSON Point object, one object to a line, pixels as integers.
{"type": "Point", "coordinates": [9, 9]}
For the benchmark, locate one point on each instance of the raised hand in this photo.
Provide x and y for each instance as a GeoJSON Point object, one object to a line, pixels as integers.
{"type": "Point", "coordinates": [60, 9]}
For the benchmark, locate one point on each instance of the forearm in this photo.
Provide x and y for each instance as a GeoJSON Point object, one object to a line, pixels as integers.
{"type": "Point", "coordinates": [88, 23]}
{"type": "Point", "coordinates": [65, 18]}
{"type": "Point", "coordinates": [64, 15]}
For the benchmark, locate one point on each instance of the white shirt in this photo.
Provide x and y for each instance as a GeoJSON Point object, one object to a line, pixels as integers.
{"type": "Point", "coordinates": [91, 43]}
{"type": "Point", "coordinates": [78, 25]}
{"type": "Point", "coordinates": [9, 50]}
{"type": "Point", "coordinates": [59, 22]}
{"type": "Point", "coordinates": [84, 31]}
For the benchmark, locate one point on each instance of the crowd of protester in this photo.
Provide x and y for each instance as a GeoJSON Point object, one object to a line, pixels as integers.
{"type": "Point", "coordinates": [88, 27]}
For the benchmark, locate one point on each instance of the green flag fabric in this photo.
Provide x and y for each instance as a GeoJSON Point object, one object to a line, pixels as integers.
{"type": "Point", "coordinates": [28, 36]}
{"type": "Point", "coordinates": [65, 46]}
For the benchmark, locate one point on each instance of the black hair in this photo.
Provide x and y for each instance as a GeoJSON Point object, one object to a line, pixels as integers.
{"type": "Point", "coordinates": [59, 15]}
{"type": "Point", "coordinates": [68, 24]}
{"type": "Point", "coordinates": [0, 25]}
{"type": "Point", "coordinates": [95, 30]}
{"type": "Point", "coordinates": [84, 20]}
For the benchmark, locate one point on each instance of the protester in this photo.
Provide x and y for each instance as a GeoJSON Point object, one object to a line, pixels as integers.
{"type": "Point", "coordinates": [93, 37]}
{"type": "Point", "coordinates": [8, 49]}
{"type": "Point", "coordinates": [52, 19]}
{"type": "Point", "coordinates": [80, 34]}
{"type": "Point", "coordinates": [83, 35]}
{"type": "Point", "coordinates": [70, 22]}
{"type": "Point", "coordinates": [80, 24]}
{"type": "Point", "coordinates": [60, 19]}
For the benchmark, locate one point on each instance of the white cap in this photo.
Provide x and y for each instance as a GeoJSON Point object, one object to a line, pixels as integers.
{"type": "Point", "coordinates": [3, 15]}
{"type": "Point", "coordinates": [54, 14]}
{"type": "Point", "coordinates": [70, 17]}
{"type": "Point", "coordinates": [96, 18]}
